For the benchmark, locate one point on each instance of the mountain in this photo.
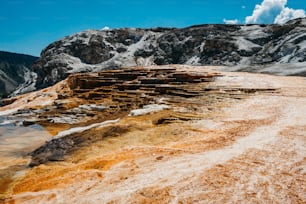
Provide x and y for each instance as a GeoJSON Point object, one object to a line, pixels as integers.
{"type": "Point", "coordinates": [259, 48]}
{"type": "Point", "coordinates": [14, 70]}
{"type": "Point", "coordinates": [160, 134]}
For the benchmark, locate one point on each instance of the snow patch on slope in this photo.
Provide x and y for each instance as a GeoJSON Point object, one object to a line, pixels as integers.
{"type": "Point", "coordinates": [288, 69]}
{"type": "Point", "coordinates": [127, 58]}
{"type": "Point", "coordinates": [253, 31]}
{"type": "Point", "coordinates": [29, 84]}
{"type": "Point", "coordinates": [74, 63]}
{"type": "Point", "coordinates": [245, 44]}
{"type": "Point", "coordinates": [193, 61]}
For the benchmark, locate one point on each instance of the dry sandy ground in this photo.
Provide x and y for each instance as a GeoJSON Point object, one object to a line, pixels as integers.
{"type": "Point", "coordinates": [250, 151]}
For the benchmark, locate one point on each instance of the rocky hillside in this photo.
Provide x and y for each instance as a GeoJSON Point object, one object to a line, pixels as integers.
{"type": "Point", "coordinates": [14, 70]}
{"type": "Point", "coordinates": [234, 45]}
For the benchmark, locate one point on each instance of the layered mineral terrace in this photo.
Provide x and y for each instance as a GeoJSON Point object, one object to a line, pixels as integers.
{"type": "Point", "coordinates": [163, 134]}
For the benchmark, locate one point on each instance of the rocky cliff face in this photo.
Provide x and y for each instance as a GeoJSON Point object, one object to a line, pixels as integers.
{"type": "Point", "coordinates": [234, 45]}
{"type": "Point", "coordinates": [14, 70]}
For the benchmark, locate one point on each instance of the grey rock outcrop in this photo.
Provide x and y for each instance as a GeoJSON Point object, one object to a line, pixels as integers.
{"type": "Point", "coordinates": [232, 45]}
{"type": "Point", "coordinates": [14, 70]}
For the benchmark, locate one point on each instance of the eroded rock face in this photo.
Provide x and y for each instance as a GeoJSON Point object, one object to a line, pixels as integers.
{"type": "Point", "coordinates": [243, 45]}
{"type": "Point", "coordinates": [14, 70]}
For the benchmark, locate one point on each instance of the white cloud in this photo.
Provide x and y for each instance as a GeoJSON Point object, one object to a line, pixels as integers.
{"type": "Point", "coordinates": [288, 14]}
{"type": "Point", "coordinates": [273, 11]}
{"type": "Point", "coordinates": [105, 28]}
{"type": "Point", "coordinates": [266, 12]}
{"type": "Point", "coordinates": [230, 21]}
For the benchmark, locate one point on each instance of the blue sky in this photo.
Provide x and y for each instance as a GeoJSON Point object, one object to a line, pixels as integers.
{"type": "Point", "coordinates": [27, 26]}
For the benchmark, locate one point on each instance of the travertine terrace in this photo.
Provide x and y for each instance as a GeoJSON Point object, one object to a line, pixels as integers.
{"type": "Point", "coordinates": [164, 134]}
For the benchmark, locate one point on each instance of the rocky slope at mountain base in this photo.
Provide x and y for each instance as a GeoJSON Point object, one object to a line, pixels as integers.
{"type": "Point", "coordinates": [14, 71]}
{"type": "Point", "coordinates": [212, 136]}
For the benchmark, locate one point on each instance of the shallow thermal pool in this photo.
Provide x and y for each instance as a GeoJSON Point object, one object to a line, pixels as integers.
{"type": "Point", "coordinates": [16, 141]}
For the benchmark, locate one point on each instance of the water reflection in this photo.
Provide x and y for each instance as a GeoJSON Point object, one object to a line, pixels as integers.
{"type": "Point", "coordinates": [17, 141]}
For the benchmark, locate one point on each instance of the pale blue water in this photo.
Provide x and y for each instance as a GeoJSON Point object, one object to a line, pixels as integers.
{"type": "Point", "coordinates": [17, 141]}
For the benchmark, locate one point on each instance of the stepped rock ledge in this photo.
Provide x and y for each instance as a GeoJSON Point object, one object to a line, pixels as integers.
{"type": "Point", "coordinates": [161, 134]}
